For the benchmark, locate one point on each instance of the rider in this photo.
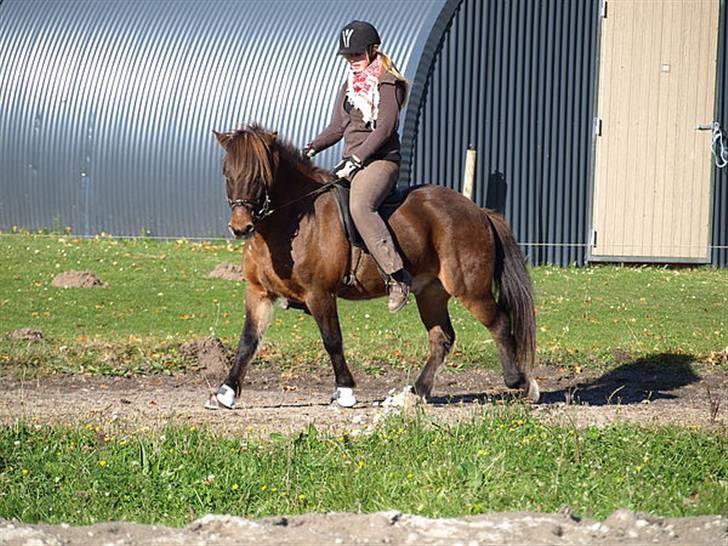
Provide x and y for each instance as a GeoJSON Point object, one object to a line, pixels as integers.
{"type": "Point", "coordinates": [366, 115]}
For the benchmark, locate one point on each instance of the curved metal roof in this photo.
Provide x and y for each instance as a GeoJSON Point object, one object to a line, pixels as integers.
{"type": "Point", "coordinates": [106, 108]}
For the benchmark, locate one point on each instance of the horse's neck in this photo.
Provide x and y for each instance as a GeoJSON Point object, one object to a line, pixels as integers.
{"type": "Point", "coordinates": [290, 184]}
{"type": "Point", "coordinates": [292, 195]}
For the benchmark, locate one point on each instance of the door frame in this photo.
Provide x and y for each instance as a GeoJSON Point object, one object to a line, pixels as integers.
{"type": "Point", "coordinates": [590, 227]}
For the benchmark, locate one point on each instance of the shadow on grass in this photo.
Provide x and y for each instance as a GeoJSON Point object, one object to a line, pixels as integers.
{"type": "Point", "coordinates": [649, 378]}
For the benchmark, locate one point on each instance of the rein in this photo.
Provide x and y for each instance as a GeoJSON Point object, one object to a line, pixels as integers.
{"type": "Point", "coordinates": [265, 209]}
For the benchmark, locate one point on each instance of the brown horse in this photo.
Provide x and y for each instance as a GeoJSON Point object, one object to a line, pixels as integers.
{"type": "Point", "coordinates": [296, 249]}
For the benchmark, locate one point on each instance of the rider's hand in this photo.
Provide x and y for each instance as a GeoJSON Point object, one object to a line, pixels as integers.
{"type": "Point", "coordinates": [347, 167]}
{"type": "Point", "coordinates": [308, 151]}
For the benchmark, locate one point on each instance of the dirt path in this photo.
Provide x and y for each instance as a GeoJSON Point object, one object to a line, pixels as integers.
{"type": "Point", "coordinates": [275, 400]}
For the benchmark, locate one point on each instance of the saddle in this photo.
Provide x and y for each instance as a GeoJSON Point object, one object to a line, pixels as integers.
{"type": "Point", "coordinates": [342, 190]}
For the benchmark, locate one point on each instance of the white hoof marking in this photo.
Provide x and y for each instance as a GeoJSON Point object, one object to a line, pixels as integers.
{"type": "Point", "coordinates": [344, 397]}
{"type": "Point", "coordinates": [226, 396]}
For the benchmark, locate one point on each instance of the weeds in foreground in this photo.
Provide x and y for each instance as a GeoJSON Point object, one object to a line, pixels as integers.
{"type": "Point", "coordinates": [500, 461]}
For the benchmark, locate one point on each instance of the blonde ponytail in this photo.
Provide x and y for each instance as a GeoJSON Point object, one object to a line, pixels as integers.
{"type": "Point", "coordinates": [389, 66]}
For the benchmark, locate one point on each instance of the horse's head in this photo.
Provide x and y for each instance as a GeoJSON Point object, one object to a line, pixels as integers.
{"type": "Point", "coordinates": [249, 168]}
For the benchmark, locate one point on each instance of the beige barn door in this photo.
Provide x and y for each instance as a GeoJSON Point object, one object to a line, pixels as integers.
{"type": "Point", "coordinates": [652, 172]}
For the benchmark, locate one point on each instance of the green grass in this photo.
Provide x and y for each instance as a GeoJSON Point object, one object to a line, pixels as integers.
{"type": "Point", "coordinates": [159, 295]}
{"type": "Point", "coordinates": [501, 461]}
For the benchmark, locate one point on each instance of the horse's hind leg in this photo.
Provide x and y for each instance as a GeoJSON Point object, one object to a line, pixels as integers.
{"type": "Point", "coordinates": [324, 311]}
{"type": "Point", "coordinates": [258, 313]}
{"type": "Point", "coordinates": [496, 320]}
{"type": "Point", "coordinates": [432, 305]}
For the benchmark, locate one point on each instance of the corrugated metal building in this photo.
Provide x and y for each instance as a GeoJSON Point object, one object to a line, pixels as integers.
{"type": "Point", "coordinates": [107, 108]}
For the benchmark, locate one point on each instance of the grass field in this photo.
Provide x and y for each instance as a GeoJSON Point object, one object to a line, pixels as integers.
{"type": "Point", "coordinates": [502, 461]}
{"type": "Point", "coordinates": [159, 295]}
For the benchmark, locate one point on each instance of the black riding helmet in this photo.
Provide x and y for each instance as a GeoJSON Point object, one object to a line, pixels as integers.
{"type": "Point", "coordinates": [357, 36]}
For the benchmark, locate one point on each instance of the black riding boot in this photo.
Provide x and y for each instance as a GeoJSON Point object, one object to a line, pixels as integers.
{"type": "Point", "coordinates": [398, 284]}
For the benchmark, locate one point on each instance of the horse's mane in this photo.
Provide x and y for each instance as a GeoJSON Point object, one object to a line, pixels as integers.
{"type": "Point", "coordinates": [257, 152]}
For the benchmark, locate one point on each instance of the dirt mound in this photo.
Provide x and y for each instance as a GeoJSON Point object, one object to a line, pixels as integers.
{"type": "Point", "coordinates": [623, 527]}
{"type": "Point", "coordinates": [25, 334]}
{"type": "Point", "coordinates": [77, 279]}
{"type": "Point", "coordinates": [211, 355]}
{"type": "Point", "coordinates": [228, 272]}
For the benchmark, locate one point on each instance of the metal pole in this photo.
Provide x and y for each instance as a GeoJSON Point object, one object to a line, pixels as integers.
{"type": "Point", "coordinates": [469, 177]}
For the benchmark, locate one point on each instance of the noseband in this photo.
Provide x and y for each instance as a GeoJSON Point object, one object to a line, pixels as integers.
{"type": "Point", "coordinates": [256, 209]}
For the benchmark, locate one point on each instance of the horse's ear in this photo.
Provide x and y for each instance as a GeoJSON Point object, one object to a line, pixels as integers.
{"type": "Point", "coordinates": [222, 138]}
{"type": "Point", "coordinates": [270, 137]}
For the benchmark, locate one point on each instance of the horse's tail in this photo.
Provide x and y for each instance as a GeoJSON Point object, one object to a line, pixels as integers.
{"type": "Point", "coordinates": [514, 291]}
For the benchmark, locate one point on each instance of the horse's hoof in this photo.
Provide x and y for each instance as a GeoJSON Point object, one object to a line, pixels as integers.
{"type": "Point", "coordinates": [225, 396]}
{"type": "Point", "coordinates": [533, 394]}
{"type": "Point", "coordinates": [344, 397]}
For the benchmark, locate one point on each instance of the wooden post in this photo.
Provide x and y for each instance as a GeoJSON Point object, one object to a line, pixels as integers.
{"type": "Point", "coordinates": [469, 177]}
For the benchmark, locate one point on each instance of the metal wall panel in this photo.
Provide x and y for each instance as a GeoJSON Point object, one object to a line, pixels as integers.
{"type": "Point", "coordinates": [106, 108]}
{"type": "Point", "coordinates": [719, 235]}
{"type": "Point", "coordinates": [516, 79]}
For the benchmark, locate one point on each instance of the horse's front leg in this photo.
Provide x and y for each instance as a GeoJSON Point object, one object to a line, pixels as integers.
{"type": "Point", "coordinates": [324, 311]}
{"type": "Point", "coordinates": [258, 313]}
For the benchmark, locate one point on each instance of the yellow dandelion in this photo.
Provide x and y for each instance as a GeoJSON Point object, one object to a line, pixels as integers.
{"type": "Point", "coordinates": [234, 487]}
{"type": "Point", "coordinates": [103, 462]}
{"type": "Point", "coordinates": [25, 472]}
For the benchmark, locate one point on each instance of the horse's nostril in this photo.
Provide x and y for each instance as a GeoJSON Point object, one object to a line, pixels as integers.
{"type": "Point", "coordinates": [242, 233]}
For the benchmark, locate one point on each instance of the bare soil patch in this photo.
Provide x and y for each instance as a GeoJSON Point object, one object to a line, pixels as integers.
{"type": "Point", "coordinates": [665, 390]}
{"type": "Point", "coordinates": [623, 527]}
{"type": "Point", "coordinates": [227, 271]}
{"type": "Point", "coordinates": [77, 279]}
{"type": "Point", "coordinates": [25, 334]}
{"type": "Point", "coordinates": [211, 355]}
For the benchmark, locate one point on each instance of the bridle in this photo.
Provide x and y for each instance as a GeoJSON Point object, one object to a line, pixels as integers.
{"type": "Point", "coordinates": [256, 209]}
{"type": "Point", "coordinates": [259, 210]}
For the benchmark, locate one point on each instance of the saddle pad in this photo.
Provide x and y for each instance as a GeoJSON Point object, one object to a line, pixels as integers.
{"type": "Point", "coordinates": [341, 190]}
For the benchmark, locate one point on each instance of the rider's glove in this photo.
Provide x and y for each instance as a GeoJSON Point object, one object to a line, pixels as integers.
{"type": "Point", "coordinates": [347, 167]}
{"type": "Point", "coordinates": [308, 151]}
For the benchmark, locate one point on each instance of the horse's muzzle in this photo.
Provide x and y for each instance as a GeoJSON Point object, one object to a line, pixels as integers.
{"type": "Point", "coordinates": [242, 233]}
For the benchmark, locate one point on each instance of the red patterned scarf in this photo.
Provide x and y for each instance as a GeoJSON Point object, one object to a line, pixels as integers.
{"type": "Point", "coordinates": [362, 90]}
